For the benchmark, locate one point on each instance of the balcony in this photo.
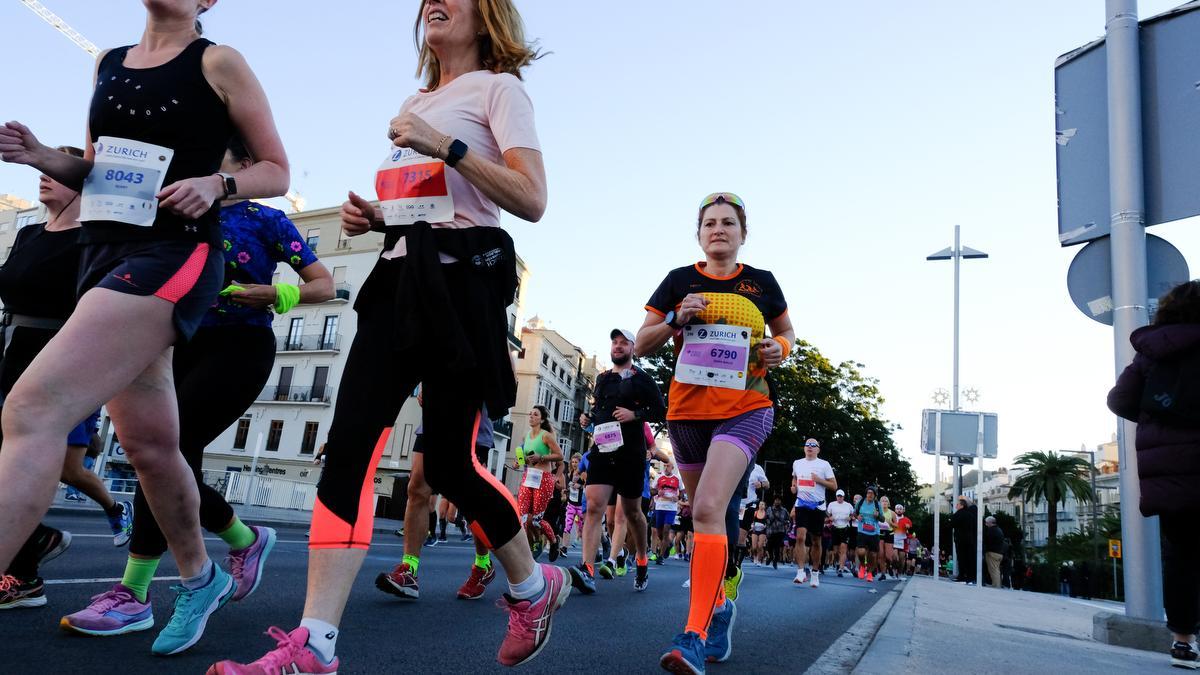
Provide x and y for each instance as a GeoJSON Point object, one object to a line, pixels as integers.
{"type": "Point", "coordinates": [296, 395]}
{"type": "Point", "coordinates": [341, 291]}
{"type": "Point", "coordinates": [309, 343]}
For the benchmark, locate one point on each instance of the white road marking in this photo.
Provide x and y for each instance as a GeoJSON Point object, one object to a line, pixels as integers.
{"type": "Point", "coordinates": [100, 581]}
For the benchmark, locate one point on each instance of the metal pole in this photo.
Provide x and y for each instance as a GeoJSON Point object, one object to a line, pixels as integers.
{"type": "Point", "coordinates": [1095, 518]}
{"type": "Point", "coordinates": [1143, 567]}
{"type": "Point", "coordinates": [937, 494]}
{"type": "Point", "coordinates": [979, 507]}
{"type": "Point", "coordinates": [954, 386]}
{"type": "Point", "coordinates": [957, 264]}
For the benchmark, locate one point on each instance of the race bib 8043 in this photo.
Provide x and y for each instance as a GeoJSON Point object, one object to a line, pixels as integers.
{"type": "Point", "coordinates": [125, 178]}
{"type": "Point", "coordinates": [412, 187]}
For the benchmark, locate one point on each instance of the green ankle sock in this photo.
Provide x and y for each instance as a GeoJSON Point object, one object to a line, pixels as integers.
{"type": "Point", "coordinates": [484, 561]}
{"type": "Point", "coordinates": [238, 536]}
{"type": "Point", "coordinates": [412, 561]}
{"type": "Point", "coordinates": [139, 572]}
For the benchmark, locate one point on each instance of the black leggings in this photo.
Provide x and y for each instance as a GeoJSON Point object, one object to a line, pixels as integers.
{"type": "Point", "coordinates": [775, 547]}
{"type": "Point", "coordinates": [218, 375]}
{"type": "Point", "coordinates": [377, 380]}
{"type": "Point", "coordinates": [1181, 586]}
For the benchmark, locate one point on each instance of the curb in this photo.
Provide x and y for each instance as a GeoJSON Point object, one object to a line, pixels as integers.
{"type": "Point", "coordinates": [844, 654]}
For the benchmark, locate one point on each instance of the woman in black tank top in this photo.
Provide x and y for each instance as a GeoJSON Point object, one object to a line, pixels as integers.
{"type": "Point", "coordinates": [159, 121]}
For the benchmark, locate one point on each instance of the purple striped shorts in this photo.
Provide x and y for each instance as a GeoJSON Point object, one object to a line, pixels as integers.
{"type": "Point", "coordinates": [690, 439]}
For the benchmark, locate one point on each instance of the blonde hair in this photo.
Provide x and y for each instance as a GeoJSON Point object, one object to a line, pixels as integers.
{"type": "Point", "coordinates": [502, 47]}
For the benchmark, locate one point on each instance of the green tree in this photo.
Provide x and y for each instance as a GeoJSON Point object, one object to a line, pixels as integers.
{"type": "Point", "coordinates": [1050, 478]}
{"type": "Point", "coordinates": [836, 404]}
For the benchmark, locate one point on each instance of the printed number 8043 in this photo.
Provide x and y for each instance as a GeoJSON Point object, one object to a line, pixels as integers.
{"type": "Point", "coordinates": [135, 177]}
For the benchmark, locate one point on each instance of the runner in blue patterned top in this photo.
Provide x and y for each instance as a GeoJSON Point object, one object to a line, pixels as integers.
{"type": "Point", "coordinates": [255, 238]}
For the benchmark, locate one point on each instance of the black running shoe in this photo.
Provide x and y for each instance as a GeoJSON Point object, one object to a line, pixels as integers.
{"type": "Point", "coordinates": [642, 579]}
{"type": "Point", "coordinates": [582, 580]}
{"type": "Point", "coordinates": [1184, 655]}
{"type": "Point", "coordinates": [51, 543]}
{"type": "Point", "coordinates": [554, 552]}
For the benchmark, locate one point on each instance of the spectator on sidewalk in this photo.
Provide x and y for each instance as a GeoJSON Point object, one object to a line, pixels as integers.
{"type": "Point", "coordinates": [963, 522]}
{"type": "Point", "coordinates": [1158, 392]}
{"type": "Point", "coordinates": [1064, 579]}
{"type": "Point", "coordinates": [993, 549]}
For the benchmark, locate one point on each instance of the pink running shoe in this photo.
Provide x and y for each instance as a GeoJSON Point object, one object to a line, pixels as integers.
{"type": "Point", "coordinates": [291, 655]}
{"type": "Point", "coordinates": [113, 612]}
{"type": "Point", "coordinates": [246, 565]}
{"type": "Point", "coordinates": [530, 621]}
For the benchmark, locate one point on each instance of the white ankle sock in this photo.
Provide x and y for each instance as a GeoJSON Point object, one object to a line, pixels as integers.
{"type": "Point", "coordinates": [200, 580]}
{"type": "Point", "coordinates": [530, 588]}
{"type": "Point", "coordinates": [322, 638]}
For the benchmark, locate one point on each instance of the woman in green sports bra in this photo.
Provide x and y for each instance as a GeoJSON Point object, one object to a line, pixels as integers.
{"type": "Point", "coordinates": [541, 451]}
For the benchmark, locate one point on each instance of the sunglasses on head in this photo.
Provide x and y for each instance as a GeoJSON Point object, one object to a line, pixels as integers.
{"type": "Point", "coordinates": [716, 197]}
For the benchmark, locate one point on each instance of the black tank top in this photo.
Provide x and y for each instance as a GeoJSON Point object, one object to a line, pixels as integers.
{"type": "Point", "coordinates": [171, 105]}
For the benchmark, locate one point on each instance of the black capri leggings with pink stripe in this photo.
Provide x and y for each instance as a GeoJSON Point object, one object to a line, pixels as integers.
{"type": "Point", "coordinates": [377, 380]}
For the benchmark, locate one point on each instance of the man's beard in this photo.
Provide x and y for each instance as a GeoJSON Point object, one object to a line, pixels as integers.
{"type": "Point", "coordinates": [621, 360]}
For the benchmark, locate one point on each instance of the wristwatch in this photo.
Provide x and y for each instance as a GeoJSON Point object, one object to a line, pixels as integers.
{"type": "Point", "coordinates": [228, 183]}
{"type": "Point", "coordinates": [455, 152]}
{"type": "Point", "coordinates": [671, 320]}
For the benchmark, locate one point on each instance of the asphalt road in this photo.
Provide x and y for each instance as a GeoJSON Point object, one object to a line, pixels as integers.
{"type": "Point", "coordinates": [780, 627]}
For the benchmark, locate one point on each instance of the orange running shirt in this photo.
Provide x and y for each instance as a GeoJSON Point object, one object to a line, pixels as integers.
{"type": "Point", "coordinates": [748, 298]}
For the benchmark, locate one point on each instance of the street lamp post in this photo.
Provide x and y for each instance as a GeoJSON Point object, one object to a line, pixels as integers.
{"type": "Point", "coordinates": [958, 253]}
{"type": "Point", "coordinates": [1095, 514]}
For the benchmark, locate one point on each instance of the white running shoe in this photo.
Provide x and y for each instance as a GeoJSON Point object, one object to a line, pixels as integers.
{"type": "Point", "coordinates": [812, 581]}
{"type": "Point", "coordinates": [800, 577]}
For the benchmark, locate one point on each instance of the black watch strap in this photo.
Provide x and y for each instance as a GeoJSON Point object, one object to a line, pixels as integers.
{"type": "Point", "coordinates": [455, 152]}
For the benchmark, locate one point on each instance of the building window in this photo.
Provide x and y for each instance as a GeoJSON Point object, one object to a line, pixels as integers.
{"type": "Point", "coordinates": [310, 438]}
{"type": "Point", "coordinates": [274, 435]}
{"type": "Point", "coordinates": [329, 332]}
{"type": "Point", "coordinates": [314, 237]}
{"type": "Point", "coordinates": [243, 430]}
{"type": "Point", "coordinates": [558, 410]}
{"type": "Point", "coordinates": [320, 383]}
{"type": "Point", "coordinates": [545, 359]}
{"type": "Point", "coordinates": [295, 331]}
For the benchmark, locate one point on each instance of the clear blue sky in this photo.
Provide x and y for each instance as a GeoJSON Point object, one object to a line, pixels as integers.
{"type": "Point", "coordinates": [859, 134]}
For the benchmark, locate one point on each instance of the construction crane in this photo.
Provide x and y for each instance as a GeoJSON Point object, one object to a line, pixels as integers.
{"type": "Point", "coordinates": [61, 26]}
{"type": "Point", "coordinates": [296, 200]}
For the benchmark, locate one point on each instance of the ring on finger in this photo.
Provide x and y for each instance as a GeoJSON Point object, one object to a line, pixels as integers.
{"type": "Point", "coordinates": [392, 134]}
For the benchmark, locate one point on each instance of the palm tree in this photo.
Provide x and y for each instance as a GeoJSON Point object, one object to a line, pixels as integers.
{"type": "Point", "coordinates": [1049, 477]}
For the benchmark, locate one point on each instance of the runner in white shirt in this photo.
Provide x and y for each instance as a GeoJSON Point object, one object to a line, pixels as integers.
{"type": "Point", "coordinates": [810, 477]}
{"type": "Point", "coordinates": [842, 513]}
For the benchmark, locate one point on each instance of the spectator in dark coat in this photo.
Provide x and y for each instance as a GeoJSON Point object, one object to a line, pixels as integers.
{"type": "Point", "coordinates": [964, 523]}
{"type": "Point", "coordinates": [1168, 454]}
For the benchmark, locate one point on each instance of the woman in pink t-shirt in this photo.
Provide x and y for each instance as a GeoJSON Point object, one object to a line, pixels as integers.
{"type": "Point", "coordinates": [433, 310]}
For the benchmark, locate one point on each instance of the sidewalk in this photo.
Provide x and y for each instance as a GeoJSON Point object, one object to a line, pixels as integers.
{"type": "Point", "coordinates": [254, 515]}
{"type": "Point", "coordinates": [949, 627]}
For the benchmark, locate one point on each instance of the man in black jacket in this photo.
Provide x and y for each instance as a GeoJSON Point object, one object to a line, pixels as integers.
{"type": "Point", "coordinates": [626, 398]}
{"type": "Point", "coordinates": [963, 521]}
